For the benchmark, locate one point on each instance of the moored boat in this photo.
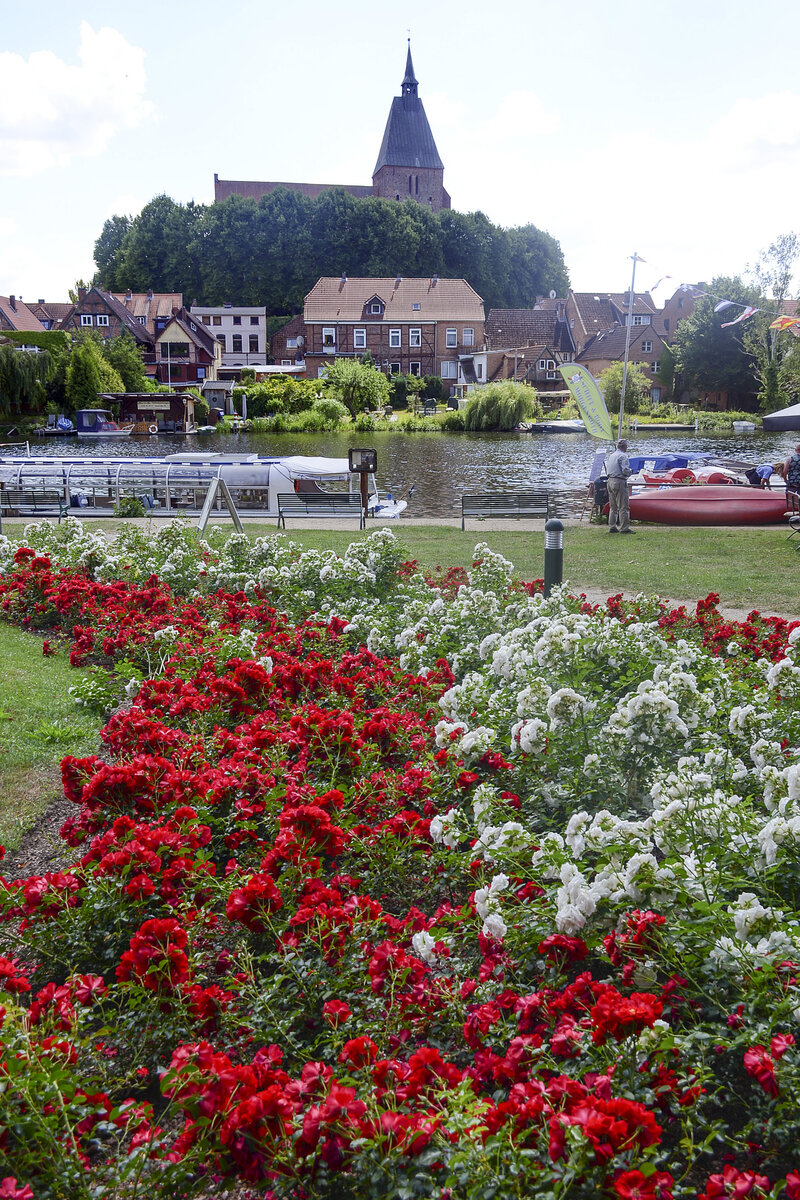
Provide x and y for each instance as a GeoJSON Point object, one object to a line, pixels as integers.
{"type": "Point", "coordinates": [98, 423]}
{"type": "Point", "coordinates": [715, 504]}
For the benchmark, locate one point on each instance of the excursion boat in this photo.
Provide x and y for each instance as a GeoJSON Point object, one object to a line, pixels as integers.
{"type": "Point", "coordinates": [570, 426]}
{"type": "Point", "coordinates": [179, 482]}
{"type": "Point", "coordinates": [709, 504]}
{"type": "Point", "coordinates": [98, 423]}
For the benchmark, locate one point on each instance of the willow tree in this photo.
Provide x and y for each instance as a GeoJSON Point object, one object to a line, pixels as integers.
{"type": "Point", "coordinates": [23, 374]}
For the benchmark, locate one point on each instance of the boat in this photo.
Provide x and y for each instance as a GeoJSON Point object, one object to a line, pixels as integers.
{"type": "Point", "coordinates": [60, 426]}
{"type": "Point", "coordinates": [744, 427]}
{"type": "Point", "coordinates": [575, 426]}
{"type": "Point", "coordinates": [180, 482]}
{"type": "Point", "coordinates": [99, 423]}
{"type": "Point", "coordinates": [711, 504]}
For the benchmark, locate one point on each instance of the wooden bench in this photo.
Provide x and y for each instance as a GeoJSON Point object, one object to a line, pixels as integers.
{"type": "Point", "coordinates": [505, 504]}
{"type": "Point", "coordinates": [319, 504]}
{"type": "Point", "coordinates": [44, 502]}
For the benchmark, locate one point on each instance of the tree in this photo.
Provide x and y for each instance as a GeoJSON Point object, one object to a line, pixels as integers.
{"type": "Point", "coordinates": [107, 249]}
{"type": "Point", "coordinates": [772, 276]}
{"type": "Point", "coordinates": [666, 371]}
{"type": "Point", "coordinates": [22, 378]}
{"type": "Point", "coordinates": [501, 405]}
{"type": "Point", "coordinates": [88, 373]}
{"type": "Point", "coordinates": [637, 387]}
{"type": "Point", "coordinates": [122, 353]}
{"type": "Point", "coordinates": [711, 358]}
{"type": "Point", "coordinates": [358, 387]}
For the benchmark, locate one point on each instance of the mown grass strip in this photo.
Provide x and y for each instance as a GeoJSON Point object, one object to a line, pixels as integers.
{"type": "Point", "coordinates": [39, 724]}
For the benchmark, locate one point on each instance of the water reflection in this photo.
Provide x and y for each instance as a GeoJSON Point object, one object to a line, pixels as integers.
{"type": "Point", "coordinates": [444, 466]}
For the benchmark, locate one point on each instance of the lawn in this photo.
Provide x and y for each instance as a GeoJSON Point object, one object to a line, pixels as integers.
{"type": "Point", "coordinates": [750, 568]}
{"type": "Point", "coordinates": [39, 724]}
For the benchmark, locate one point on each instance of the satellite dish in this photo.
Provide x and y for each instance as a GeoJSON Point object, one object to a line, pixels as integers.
{"type": "Point", "coordinates": [552, 294]}
{"type": "Point", "coordinates": [301, 341]}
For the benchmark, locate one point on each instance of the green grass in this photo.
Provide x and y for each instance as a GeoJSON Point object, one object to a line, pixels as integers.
{"type": "Point", "coordinates": [39, 725]}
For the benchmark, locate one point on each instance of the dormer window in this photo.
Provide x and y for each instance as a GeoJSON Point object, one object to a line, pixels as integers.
{"type": "Point", "coordinates": [415, 306]}
{"type": "Point", "coordinates": [375, 308]}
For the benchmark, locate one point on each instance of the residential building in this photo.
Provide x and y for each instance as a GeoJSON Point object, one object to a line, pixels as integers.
{"type": "Point", "coordinates": [51, 313]}
{"type": "Point", "coordinates": [679, 306]}
{"type": "Point", "coordinates": [527, 345]}
{"type": "Point", "coordinates": [287, 346]}
{"type": "Point", "coordinates": [109, 317]}
{"type": "Point", "coordinates": [187, 353]}
{"type": "Point", "coordinates": [408, 165]}
{"type": "Point", "coordinates": [646, 348]}
{"type": "Point", "coordinates": [150, 309]}
{"type": "Point", "coordinates": [18, 317]}
{"type": "Point", "coordinates": [409, 326]}
{"type": "Point", "coordinates": [240, 331]}
{"type": "Point", "coordinates": [590, 313]}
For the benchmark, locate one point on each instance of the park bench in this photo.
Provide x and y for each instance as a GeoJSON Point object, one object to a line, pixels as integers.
{"type": "Point", "coordinates": [319, 504]}
{"type": "Point", "coordinates": [27, 501]}
{"type": "Point", "coordinates": [505, 504]}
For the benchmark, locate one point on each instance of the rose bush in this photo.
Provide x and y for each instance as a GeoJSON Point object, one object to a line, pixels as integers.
{"type": "Point", "coordinates": [386, 885]}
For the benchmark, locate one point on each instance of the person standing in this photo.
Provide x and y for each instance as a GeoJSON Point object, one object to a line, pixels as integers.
{"type": "Point", "coordinates": [618, 469]}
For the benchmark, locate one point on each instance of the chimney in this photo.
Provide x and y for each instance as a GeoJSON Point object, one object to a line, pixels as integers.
{"type": "Point", "coordinates": [435, 280]}
{"type": "Point", "coordinates": [81, 294]}
{"type": "Point", "coordinates": [40, 301]}
{"type": "Point", "coordinates": [12, 300]}
{"type": "Point", "coordinates": [175, 310]}
{"type": "Point", "coordinates": [149, 293]}
{"type": "Point", "coordinates": [398, 281]}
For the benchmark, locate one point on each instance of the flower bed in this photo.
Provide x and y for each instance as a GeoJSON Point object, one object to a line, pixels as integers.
{"type": "Point", "coordinates": [386, 886]}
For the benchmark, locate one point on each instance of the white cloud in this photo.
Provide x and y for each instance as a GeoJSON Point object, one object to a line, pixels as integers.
{"type": "Point", "coordinates": [52, 112]}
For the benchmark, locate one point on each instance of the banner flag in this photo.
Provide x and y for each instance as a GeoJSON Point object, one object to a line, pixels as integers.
{"type": "Point", "coordinates": [589, 399]}
{"type": "Point", "coordinates": [743, 316]}
{"type": "Point", "coordinates": [782, 323]}
{"type": "Point", "coordinates": [722, 304]}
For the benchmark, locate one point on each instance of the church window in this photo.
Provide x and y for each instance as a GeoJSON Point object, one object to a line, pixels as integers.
{"type": "Point", "coordinates": [397, 197]}
{"type": "Point", "coordinates": [410, 180]}
{"type": "Point", "coordinates": [415, 337]}
{"type": "Point", "coordinates": [468, 337]}
{"type": "Point", "coordinates": [359, 339]}
{"type": "Point", "coordinates": [414, 368]}
{"type": "Point", "coordinates": [395, 336]}
{"type": "Point", "coordinates": [451, 338]}
{"type": "Point", "coordinates": [237, 343]}
{"type": "Point", "coordinates": [416, 185]}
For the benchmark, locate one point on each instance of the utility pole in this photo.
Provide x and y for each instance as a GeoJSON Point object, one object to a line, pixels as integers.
{"type": "Point", "coordinates": [627, 343]}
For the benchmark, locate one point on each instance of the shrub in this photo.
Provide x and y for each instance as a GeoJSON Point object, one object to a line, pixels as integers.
{"type": "Point", "coordinates": [453, 422]}
{"type": "Point", "coordinates": [501, 406]}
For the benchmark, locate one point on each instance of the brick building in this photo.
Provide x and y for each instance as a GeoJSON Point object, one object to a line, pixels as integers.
{"type": "Point", "coordinates": [408, 166]}
{"type": "Point", "coordinates": [646, 349]}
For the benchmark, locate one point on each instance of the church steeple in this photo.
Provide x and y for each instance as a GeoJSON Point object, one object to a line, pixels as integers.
{"type": "Point", "coordinates": [410, 84]}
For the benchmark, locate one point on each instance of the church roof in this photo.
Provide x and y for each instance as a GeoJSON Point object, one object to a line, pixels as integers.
{"type": "Point", "coordinates": [407, 139]}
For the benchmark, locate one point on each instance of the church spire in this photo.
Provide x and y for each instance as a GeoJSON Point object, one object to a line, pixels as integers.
{"type": "Point", "coordinates": [409, 85]}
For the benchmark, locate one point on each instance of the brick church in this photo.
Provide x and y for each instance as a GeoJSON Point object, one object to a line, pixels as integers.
{"type": "Point", "coordinates": [408, 166]}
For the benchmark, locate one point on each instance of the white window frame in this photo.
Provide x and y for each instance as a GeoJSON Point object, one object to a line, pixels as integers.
{"type": "Point", "coordinates": [647, 346]}
{"type": "Point", "coordinates": [415, 338]}
{"type": "Point", "coordinates": [451, 338]}
{"type": "Point", "coordinates": [551, 374]}
{"type": "Point", "coordinates": [291, 343]}
{"type": "Point", "coordinates": [542, 364]}
{"type": "Point", "coordinates": [102, 318]}
{"type": "Point", "coordinates": [394, 368]}
{"type": "Point", "coordinates": [415, 306]}
{"type": "Point", "coordinates": [86, 319]}
{"type": "Point", "coordinates": [479, 370]}
{"type": "Point", "coordinates": [375, 307]}
{"type": "Point", "coordinates": [449, 370]}
{"type": "Point", "coordinates": [329, 336]}
{"type": "Point", "coordinates": [415, 368]}
{"type": "Point", "coordinates": [468, 337]}
{"type": "Point", "coordinates": [359, 339]}
{"type": "Point", "coordinates": [640, 319]}
{"type": "Point", "coordinates": [286, 362]}
{"type": "Point", "coordinates": [551, 366]}
{"type": "Point", "coordinates": [656, 366]}
{"type": "Point", "coordinates": [395, 339]}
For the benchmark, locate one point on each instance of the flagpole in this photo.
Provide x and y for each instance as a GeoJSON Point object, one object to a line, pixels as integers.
{"type": "Point", "coordinates": [627, 346]}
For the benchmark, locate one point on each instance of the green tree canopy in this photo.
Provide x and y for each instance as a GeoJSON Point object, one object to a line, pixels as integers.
{"type": "Point", "coordinates": [123, 355]}
{"type": "Point", "coordinates": [637, 387]}
{"type": "Point", "coordinates": [272, 251]}
{"type": "Point", "coordinates": [501, 405]}
{"type": "Point", "coordinates": [709, 357]}
{"type": "Point", "coordinates": [84, 375]}
{"type": "Point", "coordinates": [358, 387]}
{"type": "Point", "coordinates": [23, 375]}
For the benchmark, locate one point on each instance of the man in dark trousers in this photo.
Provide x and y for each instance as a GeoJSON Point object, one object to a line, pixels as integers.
{"type": "Point", "coordinates": [618, 470]}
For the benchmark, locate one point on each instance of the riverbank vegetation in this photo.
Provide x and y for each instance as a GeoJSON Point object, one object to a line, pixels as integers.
{"type": "Point", "coordinates": [391, 885]}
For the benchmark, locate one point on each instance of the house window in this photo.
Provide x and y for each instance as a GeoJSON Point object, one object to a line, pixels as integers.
{"type": "Point", "coordinates": [222, 341]}
{"type": "Point", "coordinates": [415, 337]}
{"type": "Point", "coordinates": [655, 395]}
{"type": "Point", "coordinates": [640, 319]}
{"type": "Point", "coordinates": [394, 368]}
{"type": "Point", "coordinates": [286, 362]}
{"type": "Point", "coordinates": [236, 343]}
{"type": "Point", "coordinates": [254, 320]}
{"type": "Point", "coordinates": [174, 350]}
{"type": "Point", "coordinates": [647, 346]}
{"type": "Point", "coordinates": [680, 304]}
{"type": "Point", "coordinates": [86, 318]}
{"type": "Point", "coordinates": [375, 308]}
{"type": "Point", "coordinates": [414, 368]}
{"type": "Point", "coordinates": [479, 370]}
{"type": "Point", "coordinates": [206, 319]}
{"type": "Point", "coordinates": [551, 374]}
{"type": "Point", "coordinates": [542, 364]}
{"type": "Point", "coordinates": [328, 336]}
{"type": "Point", "coordinates": [451, 338]}
{"type": "Point", "coordinates": [468, 337]}
{"type": "Point", "coordinates": [201, 372]}
{"type": "Point", "coordinates": [291, 343]}
{"type": "Point", "coordinates": [102, 319]}
{"type": "Point", "coordinates": [216, 320]}
{"type": "Point", "coordinates": [254, 343]}
{"type": "Point", "coordinates": [551, 366]}
{"type": "Point", "coordinates": [656, 366]}
{"type": "Point", "coordinates": [395, 338]}
{"type": "Point", "coordinates": [449, 370]}
{"type": "Point", "coordinates": [359, 339]}
{"type": "Point", "coordinates": [321, 371]}
{"type": "Point", "coordinates": [666, 325]}
{"type": "Point", "coordinates": [415, 307]}
{"type": "Point", "coordinates": [237, 320]}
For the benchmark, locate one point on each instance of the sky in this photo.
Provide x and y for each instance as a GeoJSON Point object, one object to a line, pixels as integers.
{"type": "Point", "coordinates": [672, 130]}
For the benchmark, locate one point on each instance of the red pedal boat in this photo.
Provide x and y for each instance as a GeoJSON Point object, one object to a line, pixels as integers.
{"type": "Point", "coordinates": [717, 504]}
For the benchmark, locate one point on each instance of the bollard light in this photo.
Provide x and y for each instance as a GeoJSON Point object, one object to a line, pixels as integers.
{"type": "Point", "coordinates": [553, 554]}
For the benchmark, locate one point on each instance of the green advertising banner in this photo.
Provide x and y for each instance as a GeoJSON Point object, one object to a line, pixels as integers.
{"type": "Point", "coordinates": [589, 399]}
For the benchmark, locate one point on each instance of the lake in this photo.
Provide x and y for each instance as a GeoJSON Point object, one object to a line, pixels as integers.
{"type": "Point", "coordinates": [444, 466]}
